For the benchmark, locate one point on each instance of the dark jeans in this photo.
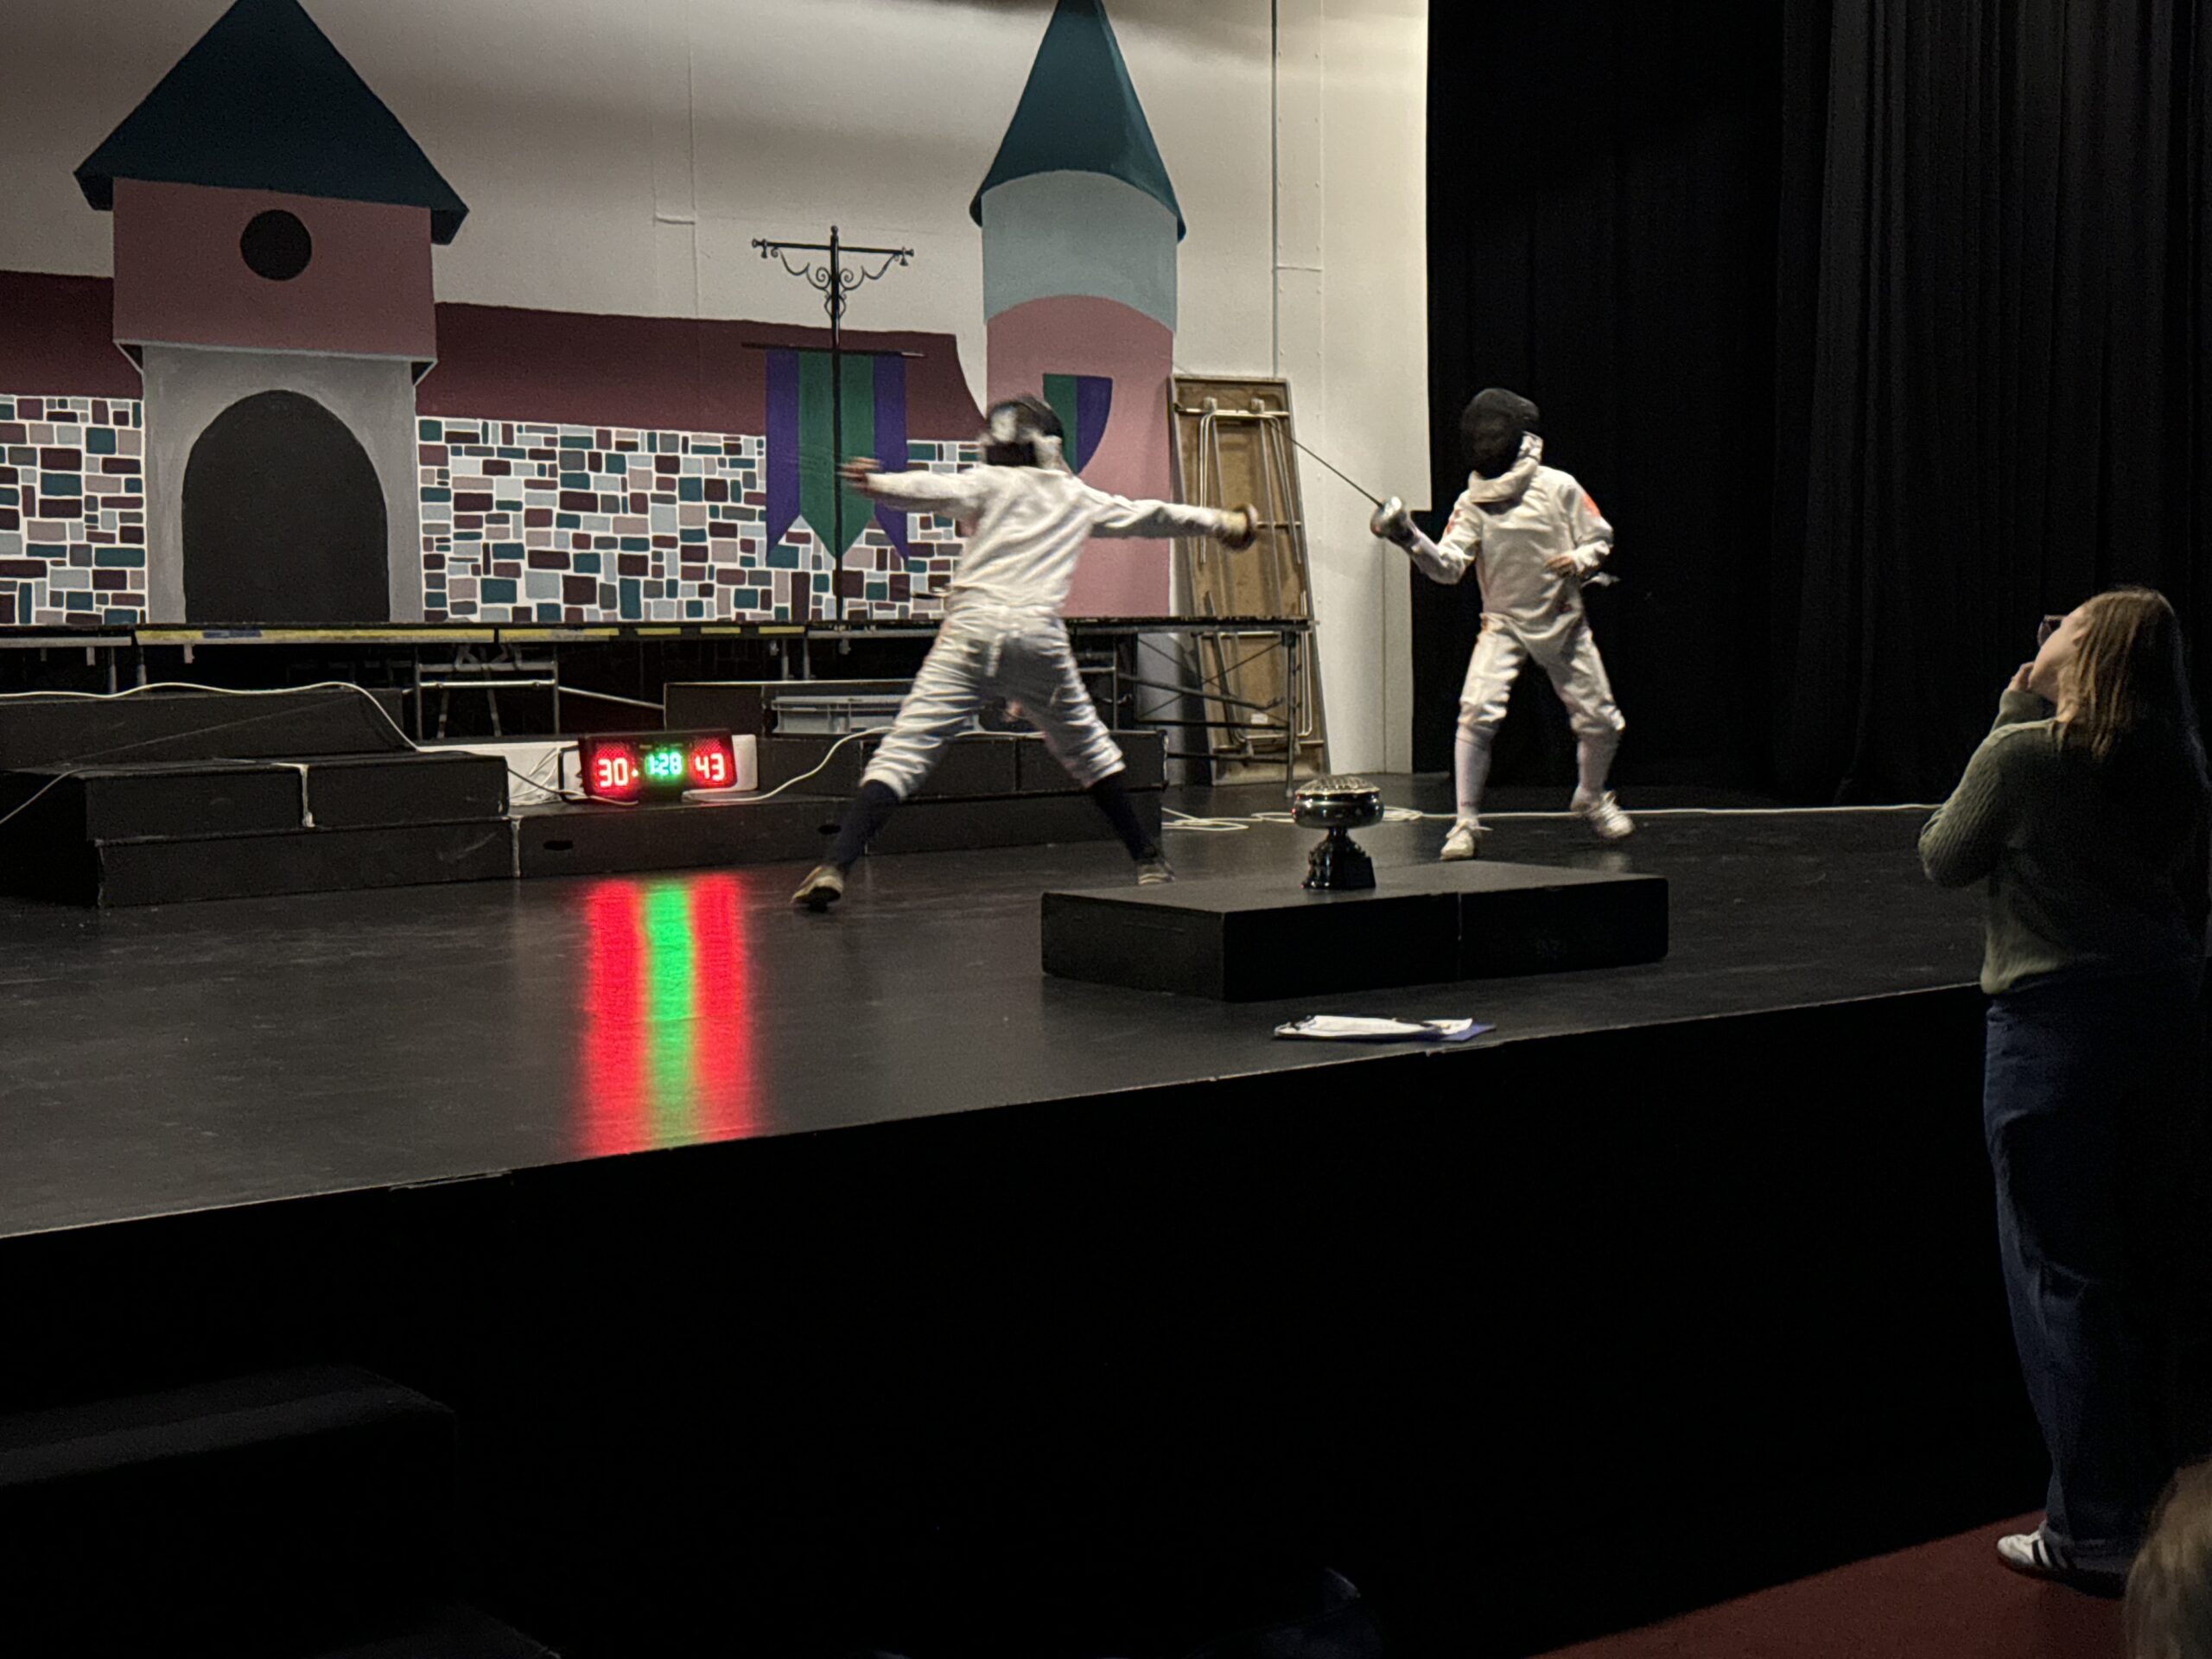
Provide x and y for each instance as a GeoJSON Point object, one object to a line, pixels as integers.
{"type": "Point", "coordinates": [2093, 1099]}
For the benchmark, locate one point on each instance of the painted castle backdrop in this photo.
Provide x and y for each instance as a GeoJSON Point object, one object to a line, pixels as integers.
{"type": "Point", "coordinates": [266, 415]}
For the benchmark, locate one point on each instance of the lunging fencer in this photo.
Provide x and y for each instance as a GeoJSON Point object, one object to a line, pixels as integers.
{"type": "Point", "coordinates": [1028, 519]}
{"type": "Point", "coordinates": [1533, 537]}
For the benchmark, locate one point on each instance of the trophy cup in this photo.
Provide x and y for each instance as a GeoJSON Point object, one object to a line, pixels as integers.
{"type": "Point", "coordinates": [1339, 805]}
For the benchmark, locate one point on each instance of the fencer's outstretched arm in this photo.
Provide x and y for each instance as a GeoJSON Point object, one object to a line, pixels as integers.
{"type": "Point", "coordinates": [1446, 561]}
{"type": "Point", "coordinates": [1117, 515]}
{"type": "Point", "coordinates": [955, 493]}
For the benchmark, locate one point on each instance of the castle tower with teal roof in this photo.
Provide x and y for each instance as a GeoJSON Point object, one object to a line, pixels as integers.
{"type": "Point", "coordinates": [1080, 227]}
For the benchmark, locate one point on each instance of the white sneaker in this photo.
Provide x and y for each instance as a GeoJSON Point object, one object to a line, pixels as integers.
{"type": "Point", "coordinates": [1465, 840]}
{"type": "Point", "coordinates": [2031, 1555]}
{"type": "Point", "coordinates": [1604, 816]}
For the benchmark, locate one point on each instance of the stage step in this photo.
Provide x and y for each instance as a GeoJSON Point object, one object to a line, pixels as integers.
{"type": "Point", "coordinates": [171, 832]}
{"type": "Point", "coordinates": [198, 725]}
{"type": "Point", "coordinates": [175, 800]}
{"type": "Point", "coordinates": [168, 832]}
{"type": "Point", "coordinates": [126, 872]}
{"type": "Point", "coordinates": [297, 1513]}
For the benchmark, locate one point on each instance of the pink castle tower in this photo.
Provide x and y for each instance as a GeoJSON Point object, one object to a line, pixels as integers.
{"type": "Point", "coordinates": [1080, 227]}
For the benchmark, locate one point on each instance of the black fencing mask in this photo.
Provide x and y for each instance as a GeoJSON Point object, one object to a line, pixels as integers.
{"type": "Point", "coordinates": [1022, 432]}
{"type": "Point", "coordinates": [1492, 427]}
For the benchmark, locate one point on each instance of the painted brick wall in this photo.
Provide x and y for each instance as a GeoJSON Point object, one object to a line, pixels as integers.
{"type": "Point", "coordinates": [521, 521]}
{"type": "Point", "coordinates": [72, 511]}
{"type": "Point", "coordinates": [527, 522]}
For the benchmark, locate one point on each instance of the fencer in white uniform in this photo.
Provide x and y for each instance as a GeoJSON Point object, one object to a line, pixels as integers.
{"type": "Point", "coordinates": [1533, 537]}
{"type": "Point", "coordinates": [1026, 519]}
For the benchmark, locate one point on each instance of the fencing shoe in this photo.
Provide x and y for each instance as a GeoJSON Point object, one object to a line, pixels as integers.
{"type": "Point", "coordinates": [1603, 814]}
{"type": "Point", "coordinates": [1465, 840]}
{"type": "Point", "coordinates": [824, 888]}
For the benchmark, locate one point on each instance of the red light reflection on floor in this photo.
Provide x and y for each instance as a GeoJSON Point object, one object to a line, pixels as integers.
{"type": "Point", "coordinates": [665, 1035]}
{"type": "Point", "coordinates": [723, 1012]}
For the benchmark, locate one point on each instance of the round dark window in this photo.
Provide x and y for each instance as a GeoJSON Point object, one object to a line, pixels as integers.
{"type": "Point", "coordinates": [277, 245]}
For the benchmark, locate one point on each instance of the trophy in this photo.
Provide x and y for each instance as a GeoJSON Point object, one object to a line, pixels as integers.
{"type": "Point", "coordinates": [1339, 805]}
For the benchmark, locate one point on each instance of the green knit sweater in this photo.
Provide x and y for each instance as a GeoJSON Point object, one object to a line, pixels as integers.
{"type": "Point", "coordinates": [2081, 881]}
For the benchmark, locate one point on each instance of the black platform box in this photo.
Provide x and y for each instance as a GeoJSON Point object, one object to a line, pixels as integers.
{"type": "Point", "coordinates": [149, 800]}
{"type": "Point", "coordinates": [1250, 939]}
{"type": "Point", "coordinates": [979, 763]}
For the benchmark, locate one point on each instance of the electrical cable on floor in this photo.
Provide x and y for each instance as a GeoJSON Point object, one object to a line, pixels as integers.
{"type": "Point", "coordinates": [1171, 819]}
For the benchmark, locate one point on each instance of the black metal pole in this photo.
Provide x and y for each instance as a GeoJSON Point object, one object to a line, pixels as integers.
{"type": "Point", "coordinates": [836, 432]}
{"type": "Point", "coordinates": [830, 281]}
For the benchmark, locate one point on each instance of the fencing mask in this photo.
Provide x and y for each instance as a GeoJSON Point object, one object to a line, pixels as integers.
{"type": "Point", "coordinates": [1022, 432]}
{"type": "Point", "coordinates": [1492, 427]}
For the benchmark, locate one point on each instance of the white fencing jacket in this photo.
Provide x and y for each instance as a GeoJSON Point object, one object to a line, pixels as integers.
{"type": "Point", "coordinates": [1505, 528]}
{"type": "Point", "coordinates": [1027, 527]}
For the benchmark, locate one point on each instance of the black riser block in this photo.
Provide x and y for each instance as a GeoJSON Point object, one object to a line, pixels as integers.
{"type": "Point", "coordinates": [1249, 940]}
{"type": "Point", "coordinates": [306, 860]}
{"type": "Point", "coordinates": [207, 798]}
{"type": "Point", "coordinates": [602, 840]}
{"type": "Point", "coordinates": [1563, 929]}
{"type": "Point", "coordinates": [193, 726]}
{"type": "Point", "coordinates": [979, 763]}
{"type": "Point", "coordinates": [975, 766]}
{"type": "Point", "coordinates": [379, 790]}
{"type": "Point", "coordinates": [174, 801]}
{"type": "Point", "coordinates": [1036, 773]}
{"type": "Point", "coordinates": [598, 840]}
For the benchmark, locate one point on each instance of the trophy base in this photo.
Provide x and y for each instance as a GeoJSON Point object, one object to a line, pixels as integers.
{"type": "Point", "coordinates": [1339, 864]}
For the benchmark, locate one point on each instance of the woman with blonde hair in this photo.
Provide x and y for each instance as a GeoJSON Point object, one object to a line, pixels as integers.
{"type": "Point", "coordinates": [2170, 1586]}
{"type": "Point", "coordinates": [2085, 811]}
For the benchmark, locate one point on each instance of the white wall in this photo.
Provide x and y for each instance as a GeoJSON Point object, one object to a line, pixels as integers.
{"type": "Point", "coordinates": [621, 158]}
{"type": "Point", "coordinates": [1352, 335]}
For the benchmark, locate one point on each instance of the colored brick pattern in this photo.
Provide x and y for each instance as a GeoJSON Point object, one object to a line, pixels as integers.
{"type": "Point", "coordinates": [520, 523]}
{"type": "Point", "coordinates": [72, 511]}
{"type": "Point", "coordinates": [531, 523]}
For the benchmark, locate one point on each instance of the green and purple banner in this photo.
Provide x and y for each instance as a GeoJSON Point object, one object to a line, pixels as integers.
{"type": "Point", "coordinates": [804, 449]}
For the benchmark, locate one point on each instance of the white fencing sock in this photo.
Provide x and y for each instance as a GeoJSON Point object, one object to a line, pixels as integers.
{"type": "Point", "coordinates": [1593, 760]}
{"type": "Point", "coordinates": [1471, 768]}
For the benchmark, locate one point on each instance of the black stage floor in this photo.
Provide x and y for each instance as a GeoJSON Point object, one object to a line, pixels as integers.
{"type": "Point", "coordinates": [205, 1056]}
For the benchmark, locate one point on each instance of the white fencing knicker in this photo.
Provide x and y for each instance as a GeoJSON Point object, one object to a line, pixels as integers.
{"type": "Point", "coordinates": [984, 651]}
{"type": "Point", "coordinates": [1565, 649]}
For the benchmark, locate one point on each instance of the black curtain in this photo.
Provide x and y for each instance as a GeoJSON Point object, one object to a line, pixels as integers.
{"type": "Point", "coordinates": [1879, 326]}
{"type": "Point", "coordinates": [1603, 180]}
{"type": "Point", "coordinates": [1991, 347]}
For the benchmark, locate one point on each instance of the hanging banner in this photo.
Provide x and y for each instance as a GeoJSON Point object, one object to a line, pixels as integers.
{"type": "Point", "coordinates": [805, 450]}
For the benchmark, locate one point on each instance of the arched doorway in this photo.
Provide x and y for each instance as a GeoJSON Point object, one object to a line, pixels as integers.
{"type": "Point", "coordinates": [283, 519]}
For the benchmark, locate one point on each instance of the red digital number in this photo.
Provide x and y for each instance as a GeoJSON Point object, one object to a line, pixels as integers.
{"type": "Point", "coordinates": [614, 773]}
{"type": "Point", "coordinates": [711, 765]}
